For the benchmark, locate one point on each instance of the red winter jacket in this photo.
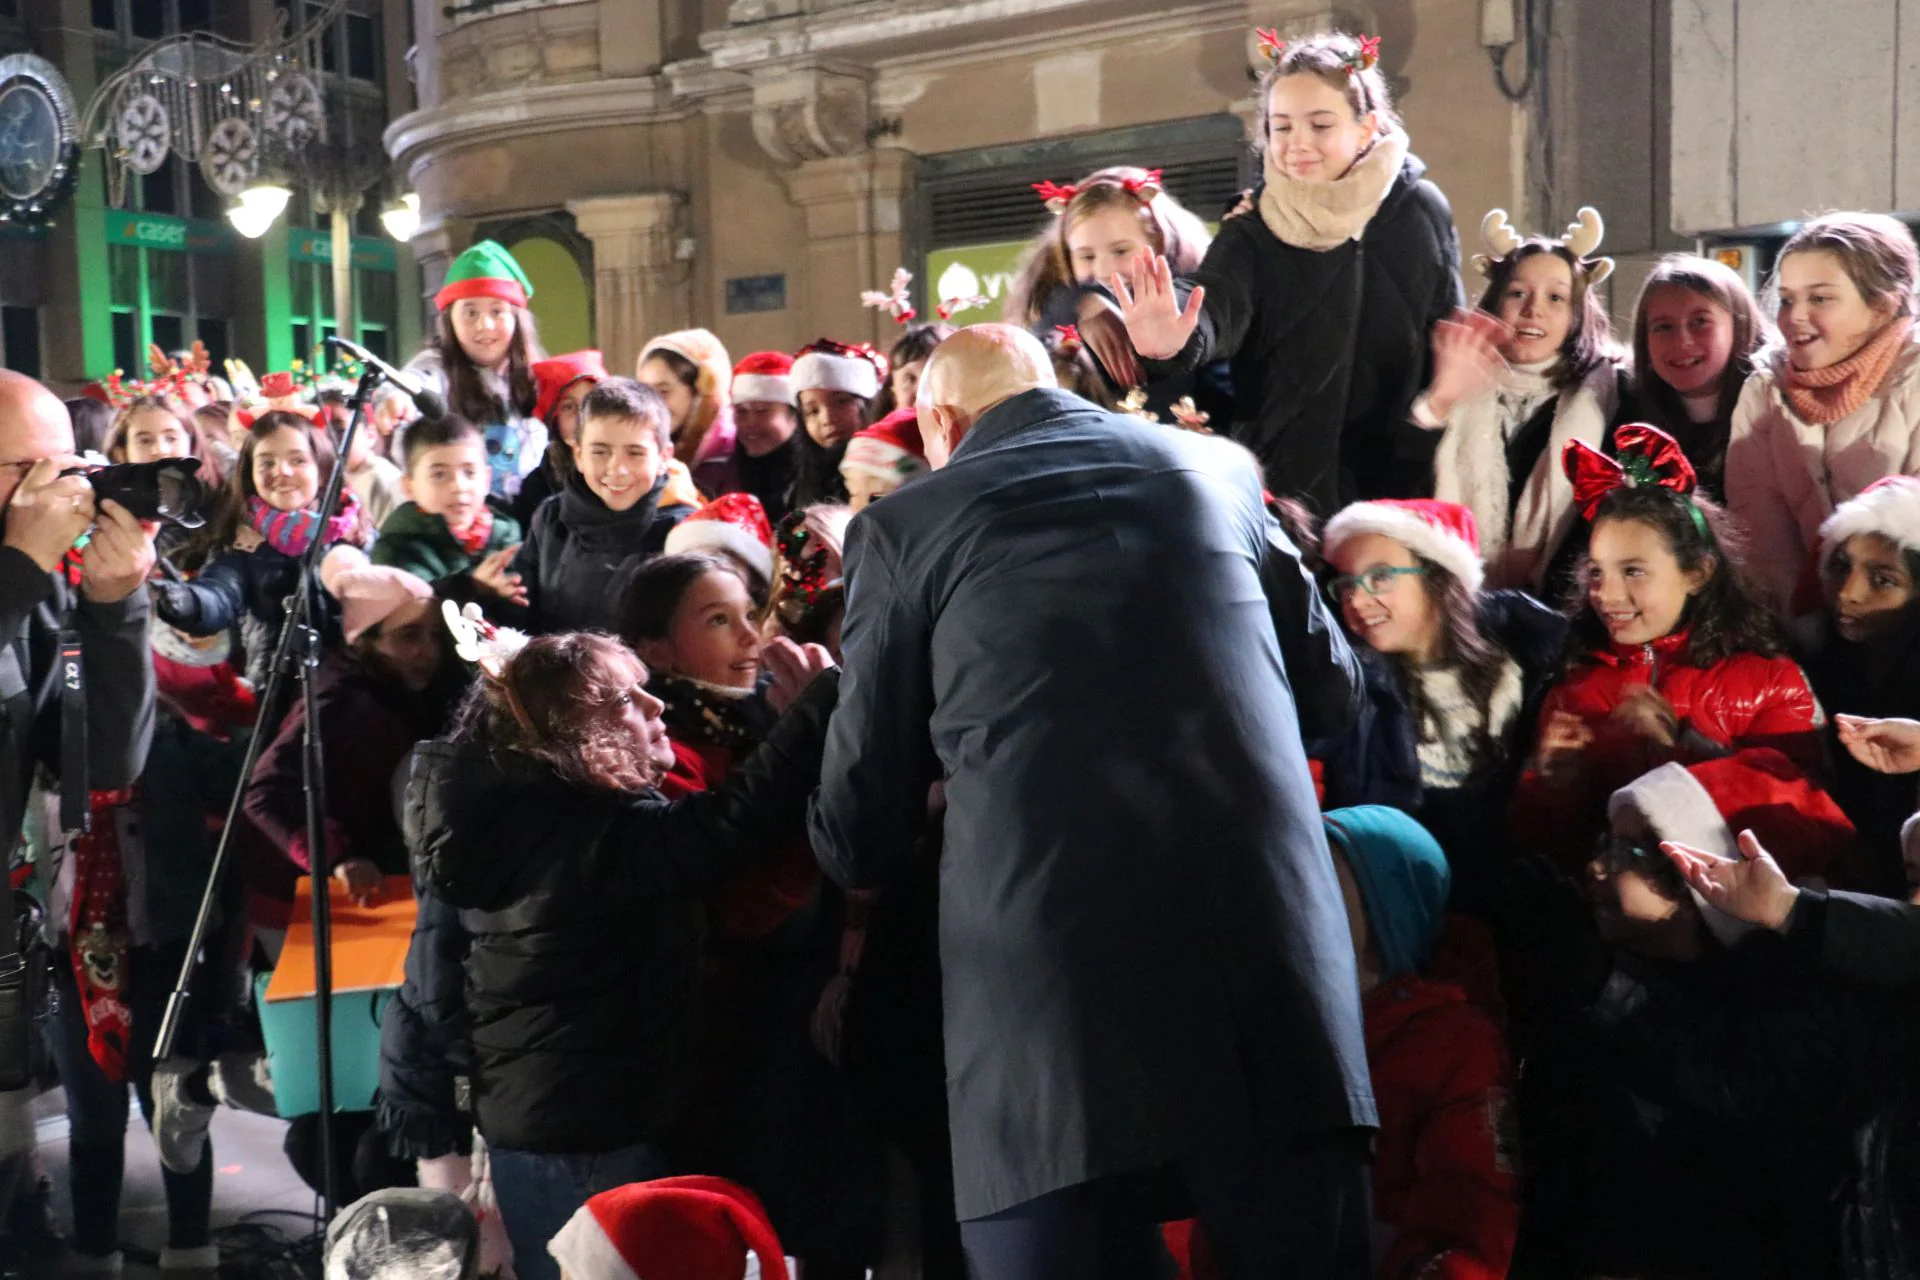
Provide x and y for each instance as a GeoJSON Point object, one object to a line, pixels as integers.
{"type": "Point", "coordinates": [1744, 701]}
{"type": "Point", "coordinates": [1443, 1175]}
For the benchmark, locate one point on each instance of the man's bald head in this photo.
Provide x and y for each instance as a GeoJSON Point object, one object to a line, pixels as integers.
{"type": "Point", "coordinates": [33, 425]}
{"type": "Point", "coordinates": [971, 372]}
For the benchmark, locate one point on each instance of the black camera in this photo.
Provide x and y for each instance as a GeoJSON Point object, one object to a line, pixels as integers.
{"type": "Point", "coordinates": [168, 489]}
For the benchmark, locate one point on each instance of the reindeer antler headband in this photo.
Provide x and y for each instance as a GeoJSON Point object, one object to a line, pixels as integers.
{"type": "Point", "coordinates": [896, 302]}
{"type": "Point", "coordinates": [491, 649]}
{"type": "Point", "coordinates": [1581, 238]}
{"type": "Point", "coordinates": [1057, 196]}
{"type": "Point", "coordinates": [1365, 55]}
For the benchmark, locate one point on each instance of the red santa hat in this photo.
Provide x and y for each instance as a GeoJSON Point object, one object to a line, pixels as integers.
{"type": "Point", "coordinates": [826, 365]}
{"type": "Point", "coordinates": [1442, 532]}
{"type": "Point", "coordinates": [1759, 790]}
{"type": "Point", "coordinates": [889, 450]}
{"type": "Point", "coordinates": [689, 1228]}
{"type": "Point", "coordinates": [765, 377]}
{"type": "Point", "coordinates": [1890, 507]}
{"type": "Point", "coordinates": [733, 522]}
{"type": "Point", "coordinates": [553, 376]}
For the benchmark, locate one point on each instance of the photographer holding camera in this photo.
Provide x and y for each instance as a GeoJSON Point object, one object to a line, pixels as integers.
{"type": "Point", "coordinates": [99, 598]}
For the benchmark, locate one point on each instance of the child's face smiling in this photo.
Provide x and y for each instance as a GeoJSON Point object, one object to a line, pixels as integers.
{"type": "Point", "coordinates": [713, 637]}
{"type": "Point", "coordinates": [1822, 317]}
{"type": "Point", "coordinates": [1400, 617]}
{"type": "Point", "coordinates": [284, 470]}
{"type": "Point", "coordinates": [620, 459]}
{"type": "Point", "coordinates": [1538, 304]}
{"type": "Point", "coordinates": [1312, 133]}
{"type": "Point", "coordinates": [1871, 587]}
{"type": "Point", "coordinates": [1689, 339]}
{"type": "Point", "coordinates": [1635, 583]}
{"type": "Point", "coordinates": [484, 329]}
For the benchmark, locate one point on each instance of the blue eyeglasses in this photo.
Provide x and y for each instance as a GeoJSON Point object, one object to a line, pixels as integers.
{"type": "Point", "coordinates": [1375, 581]}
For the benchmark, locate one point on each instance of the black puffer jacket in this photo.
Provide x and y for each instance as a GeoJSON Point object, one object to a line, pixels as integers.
{"type": "Point", "coordinates": [579, 555]}
{"type": "Point", "coordinates": [1328, 350]}
{"type": "Point", "coordinates": [424, 1046]}
{"type": "Point", "coordinates": [586, 914]}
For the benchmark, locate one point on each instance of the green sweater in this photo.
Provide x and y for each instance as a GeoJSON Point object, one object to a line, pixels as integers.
{"type": "Point", "coordinates": [424, 546]}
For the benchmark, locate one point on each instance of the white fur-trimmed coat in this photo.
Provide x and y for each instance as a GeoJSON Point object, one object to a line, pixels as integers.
{"type": "Point", "coordinates": [1470, 468]}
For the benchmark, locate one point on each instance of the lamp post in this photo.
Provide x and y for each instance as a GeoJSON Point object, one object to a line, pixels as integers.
{"type": "Point", "coordinates": [252, 216]}
{"type": "Point", "coordinates": [402, 217]}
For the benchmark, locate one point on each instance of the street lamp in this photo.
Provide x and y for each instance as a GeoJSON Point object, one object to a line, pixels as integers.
{"type": "Point", "coordinates": [402, 219]}
{"type": "Point", "coordinates": [259, 205]}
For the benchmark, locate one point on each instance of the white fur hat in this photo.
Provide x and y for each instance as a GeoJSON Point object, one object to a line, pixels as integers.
{"type": "Point", "coordinates": [1890, 507]}
{"type": "Point", "coordinates": [834, 366]}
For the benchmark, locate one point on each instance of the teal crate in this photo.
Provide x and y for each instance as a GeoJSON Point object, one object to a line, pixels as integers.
{"type": "Point", "coordinates": [287, 1026]}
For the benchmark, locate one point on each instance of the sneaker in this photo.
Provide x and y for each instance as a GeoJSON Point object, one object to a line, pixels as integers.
{"type": "Point", "coordinates": [179, 1123]}
{"type": "Point", "coordinates": [244, 1082]}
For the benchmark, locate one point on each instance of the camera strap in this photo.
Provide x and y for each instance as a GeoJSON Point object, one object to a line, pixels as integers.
{"type": "Point", "coordinates": [76, 800]}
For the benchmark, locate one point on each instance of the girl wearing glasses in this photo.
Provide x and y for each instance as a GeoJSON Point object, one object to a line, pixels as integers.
{"type": "Point", "coordinates": [1455, 676]}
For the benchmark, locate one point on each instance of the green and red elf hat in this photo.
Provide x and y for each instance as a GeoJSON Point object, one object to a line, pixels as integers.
{"type": "Point", "coordinates": [486, 270]}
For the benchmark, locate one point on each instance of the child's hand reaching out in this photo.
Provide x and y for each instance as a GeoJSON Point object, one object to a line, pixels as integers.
{"type": "Point", "coordinates": [492, 577]}
{"type": "Point", "coordinates": [1753, 889]}
{"type": "Point", "coordinates": [1466, 359]}
{"type": "Point", "coordinates": [1563, 741]}
{"type": "Point", "coordinates": [1885, 746]}
{"type": "Point", "coordinates": [1156, 322]}
{"type": "Point", "coordinates": [793, 668]}
{"type": "Point", "coordinates": [1646, 714]}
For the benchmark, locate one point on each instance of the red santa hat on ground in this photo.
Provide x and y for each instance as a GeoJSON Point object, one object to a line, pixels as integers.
{"type": "Point", "coordinates": [889, 450]}
{"type": "Point", "coordinates": [826, 365]}
{"type": "Point", "coordinates": [690, 1228]}
{"type": "Point", "coordinates": [1706, 805]}
{"type": "Point", "coordinates": [555, 375]}
{"type": "Point", "coordinates": [734, 523]}
{"type": "Point", "coordinates": [1442, 532]}
{"type": "Point", "coordinates": [1890, 507]}
{"type": "Point", "coordinates": [765, 377]}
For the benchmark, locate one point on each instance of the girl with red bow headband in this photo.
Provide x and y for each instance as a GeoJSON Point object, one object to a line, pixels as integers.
{"type": "Point", "coordinates": [1671, 655]}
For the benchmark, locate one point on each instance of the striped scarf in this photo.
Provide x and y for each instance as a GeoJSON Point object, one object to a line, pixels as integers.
{"type": "Point", "coordinates": [291, 532]}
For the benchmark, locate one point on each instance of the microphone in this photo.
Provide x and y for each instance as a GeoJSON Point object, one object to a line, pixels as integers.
{"type": "Point", "coordinates": [427, 400]}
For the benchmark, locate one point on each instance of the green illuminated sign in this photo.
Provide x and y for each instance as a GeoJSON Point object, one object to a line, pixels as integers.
{"type": "Point", "coordinates": [159, 231]}
{"type": "Point", "coordinates": [317, 246]}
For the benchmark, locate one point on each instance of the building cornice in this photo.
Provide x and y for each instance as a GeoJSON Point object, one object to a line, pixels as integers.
{"type": "Point", "coordinates": [858, 31]}
{"type": "Point", "coordinates": [525, 112]}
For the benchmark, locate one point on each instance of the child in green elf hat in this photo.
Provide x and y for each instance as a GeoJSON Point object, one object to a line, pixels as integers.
{"type": "Point", "coordinates": [481, 359]}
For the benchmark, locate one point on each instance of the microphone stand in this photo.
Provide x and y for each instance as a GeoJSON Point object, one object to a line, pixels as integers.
{"type": "Point", "coordinates": [297, 652]}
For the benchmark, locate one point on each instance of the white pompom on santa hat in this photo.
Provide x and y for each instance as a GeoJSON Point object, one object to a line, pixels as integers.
{"type": "Point", "coordinates": [1441, 532]}
{"type": "Point", "coordinates": [765, 377]}
{"type": "Point", "coordinates": [689, 1228]}
{"type": "Point", "coordinates": [826, 365]}
{"type": "Point", "coordinates": [734, 523]}
{"type": "Point", "coordinates": [1890, 507]}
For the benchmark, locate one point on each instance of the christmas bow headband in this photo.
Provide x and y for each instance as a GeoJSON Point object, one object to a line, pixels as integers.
{"type": "Point", "coordinates": [1648, 458]}
{"type": "Point", "coordinates": [1057, 196]}
{"type": "Point", "coordinates": [1581, 238]}
{"type": "Point", "coordinates": [898, 302]}
{"type": "Point", "coordinates": [1365, 57]}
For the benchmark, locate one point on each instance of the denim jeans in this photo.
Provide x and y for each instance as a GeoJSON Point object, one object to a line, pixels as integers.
{"type": "Point", "coordinates": [97, 1107]}
{"type": "Point", "coordinates": [538, 1192]}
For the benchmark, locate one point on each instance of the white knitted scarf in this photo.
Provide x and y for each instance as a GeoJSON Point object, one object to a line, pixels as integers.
{"type": "Point", "coordinates": [1325, 215]}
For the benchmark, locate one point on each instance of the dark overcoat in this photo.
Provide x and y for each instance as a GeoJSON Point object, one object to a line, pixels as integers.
{"type": "Point", "coordinates": [1088, 626]}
